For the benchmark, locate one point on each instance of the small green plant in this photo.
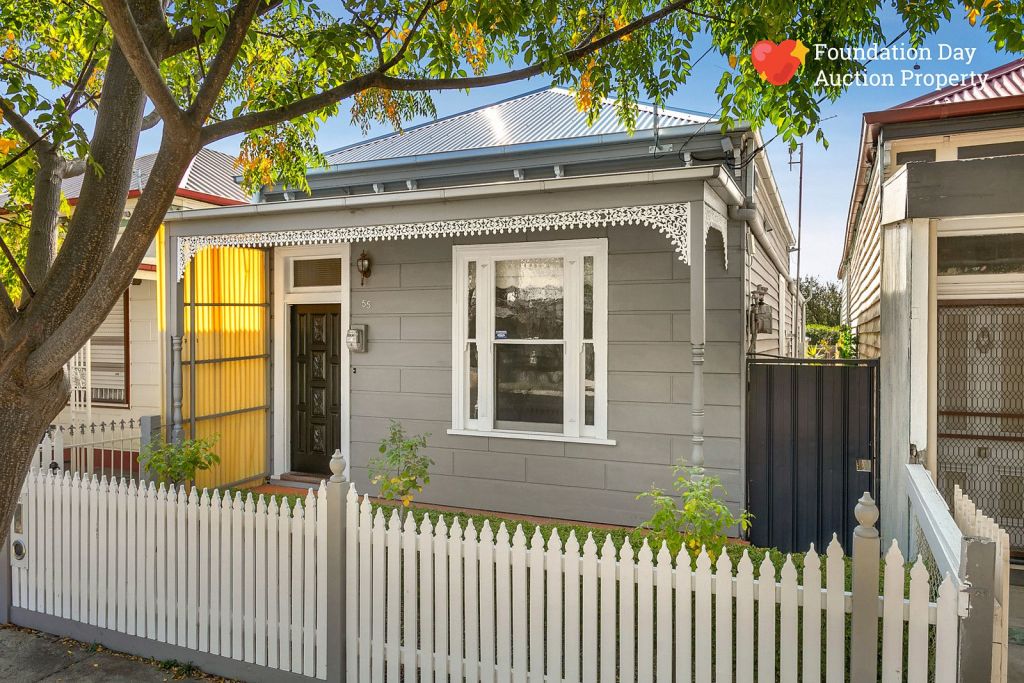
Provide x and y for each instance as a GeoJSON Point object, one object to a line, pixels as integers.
{"type": "Point", "coordinates": [401, 470]}
{"type": "Point", "coordinates": [177, 464]}
{"type": "Point", "coordinates": [831, 342]}
{"type": "Point", "coordinates": [694, 516]}
{"type": "Point", "coordinates": [846, 347]}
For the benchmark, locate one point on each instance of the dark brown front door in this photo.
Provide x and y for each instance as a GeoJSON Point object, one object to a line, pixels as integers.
{"type": "Point", "coordinates": [315, 386]}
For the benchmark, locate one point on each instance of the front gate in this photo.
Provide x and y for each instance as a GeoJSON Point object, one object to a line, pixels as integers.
{"type": "Point", "coordinates": [812, 439]}
{"type": "Point", "coordinates": [980, 421]}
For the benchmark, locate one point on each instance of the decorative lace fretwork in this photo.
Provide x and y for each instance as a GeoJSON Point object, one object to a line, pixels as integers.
{"type": "Point", "coordinates": [672, 220]}
{"type": "Point", "coordinates": [716, 220]}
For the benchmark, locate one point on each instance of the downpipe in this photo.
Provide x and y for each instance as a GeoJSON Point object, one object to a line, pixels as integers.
{"type": "Point", "coordinates": [748, 213]}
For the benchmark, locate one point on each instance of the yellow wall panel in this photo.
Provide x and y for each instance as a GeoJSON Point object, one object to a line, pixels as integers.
{"type": "Point", "coordinates": [226, 357]}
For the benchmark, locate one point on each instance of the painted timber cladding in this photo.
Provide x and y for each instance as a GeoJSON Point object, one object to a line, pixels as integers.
{"type": "Point", "coordinates": [863, 273]}
{"type": "Point", "coordinates": [406, 375]}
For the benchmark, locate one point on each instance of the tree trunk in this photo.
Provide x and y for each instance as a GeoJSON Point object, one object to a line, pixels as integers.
{"type": "Point", "coordinates": [42, 236]}
{"type": "Point", "coordinates": [24, 416]}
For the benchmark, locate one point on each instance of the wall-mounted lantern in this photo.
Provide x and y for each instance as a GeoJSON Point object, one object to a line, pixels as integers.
{"type": "Point", "coordinates": [363, 265]}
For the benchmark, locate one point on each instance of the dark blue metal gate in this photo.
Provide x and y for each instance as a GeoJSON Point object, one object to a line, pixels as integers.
{"type": "Point", "coordinates": [812, 439]}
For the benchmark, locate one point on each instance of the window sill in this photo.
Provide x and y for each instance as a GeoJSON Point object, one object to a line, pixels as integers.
{"type": "Point", "coordinates": [532, 436]}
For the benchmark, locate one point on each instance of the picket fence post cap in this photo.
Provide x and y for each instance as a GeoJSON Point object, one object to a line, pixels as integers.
{"type": "Point", "coordinates": [337, 466]}
{"type": "Point", "coordinates": [866, 512]}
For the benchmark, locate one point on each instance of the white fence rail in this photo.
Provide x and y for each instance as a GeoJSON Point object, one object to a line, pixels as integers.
{"type": "Point", "coordinates": [973, 522]}
{"type": "Point", "coordinates": [470, 604]}
{"type": "Point", "coordinates": [948, 530]}
{"type": "Point", "coordinates": [337, 590]}
{"type": "Point", "coordinates": [107, 448]}
{"type": "Point", "coordinates": [223, 575]}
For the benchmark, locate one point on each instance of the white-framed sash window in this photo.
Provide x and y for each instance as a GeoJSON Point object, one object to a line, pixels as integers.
{"type": "Point", "coordinates": [529, 331]}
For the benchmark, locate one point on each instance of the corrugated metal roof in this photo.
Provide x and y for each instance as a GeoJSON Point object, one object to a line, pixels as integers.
{"type": "Point", "coordinates": [210, 173]}
{"type": "Point", "coordinates": [1004, 81]}
{"type": "Point", "coordinates": [539, 116]}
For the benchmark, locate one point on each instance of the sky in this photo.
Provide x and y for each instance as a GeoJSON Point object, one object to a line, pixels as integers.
{"type": "Point", "coordinates": [828, 173]}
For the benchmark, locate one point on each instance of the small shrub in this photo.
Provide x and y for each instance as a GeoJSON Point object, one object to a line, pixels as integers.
{"type": "Point", "coordinates": [401, 470]}
{"type": "Point", "coordinates": [177, 464]}
{"type": "Point", "coordinates": [824, 341]}
{"type": "Point", "coordinates": [694, 516]}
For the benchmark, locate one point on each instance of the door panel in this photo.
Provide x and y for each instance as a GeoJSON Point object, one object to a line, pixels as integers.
{"type": "Point", "coordinates": [812, 425]}
{"type": "Point", "coordinates": [980, 375]}
{"type": "Point", "coordinates": [315, 386]}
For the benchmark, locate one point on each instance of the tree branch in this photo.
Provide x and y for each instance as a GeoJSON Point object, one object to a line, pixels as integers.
{"type": "Point", "coordinates": [150, 120]}
{"type": "Point", "coordinates": [77, 92]}
{"type": "Point", "coordinates": [20, 125]}
{"type": "Point", "coordinates": [378, 79]}
{"type": "Point", "coordinates": [397, 57]}
{"type": "Point", "coordinates": [120, 264]}
{"type": "Point", "coordinates": [224, 60]}
{"type": "Point", "coordinates": [135, 50]}
{"type": "Point", "coordinates": [9, 255]}
{"type": "Point", "coordinates": [74, 168]}
{"type": "Point", "coordinates": [188, 37]}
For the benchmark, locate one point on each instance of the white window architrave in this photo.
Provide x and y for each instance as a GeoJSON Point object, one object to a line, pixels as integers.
{"type": "Point", "coordinates": [484, 256]}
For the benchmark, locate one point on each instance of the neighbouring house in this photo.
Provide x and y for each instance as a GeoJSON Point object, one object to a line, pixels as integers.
{"type": "Point", "coordinates": [933, 281]}
{"type": "Point", "coordinates": [118, 375]}
{"type": "Point", "coordinates": [564, 308]}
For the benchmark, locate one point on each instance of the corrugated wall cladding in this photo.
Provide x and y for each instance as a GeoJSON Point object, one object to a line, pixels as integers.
{"type": "Point", "coordinates": [225, 359]}
{"type": "Point", "coordinates": [863, 279]}
{"type": "Point", "coordinates": [406, 375]}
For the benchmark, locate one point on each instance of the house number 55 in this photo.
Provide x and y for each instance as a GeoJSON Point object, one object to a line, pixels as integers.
{"type": "Point", "coordinates": [366, 304]}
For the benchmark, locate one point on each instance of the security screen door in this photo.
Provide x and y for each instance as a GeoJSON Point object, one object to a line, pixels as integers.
{"type": "Point", "coordinates": [980, 406]}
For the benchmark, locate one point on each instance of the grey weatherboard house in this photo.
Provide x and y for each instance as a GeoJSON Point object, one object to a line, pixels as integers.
{"type": "Point", "coordinates": [563, 308]}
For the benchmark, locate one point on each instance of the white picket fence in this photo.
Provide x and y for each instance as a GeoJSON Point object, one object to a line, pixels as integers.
{"type": "Point", "coordinates": [107, 448]}
{"type": "Point", "coordinates": [454, 603]}
{"type": "Point", "coordinates": [225, 575]}
{"type": "Point", "coordinates": [247, 579]}
{"type": "Point", "coordinates": [973, 522]}
{"type": "Point", "coordinates": [944, 530]}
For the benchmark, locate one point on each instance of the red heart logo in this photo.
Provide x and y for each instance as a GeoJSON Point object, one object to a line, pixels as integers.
{"type": "Point", "coordinates": [775, 62]}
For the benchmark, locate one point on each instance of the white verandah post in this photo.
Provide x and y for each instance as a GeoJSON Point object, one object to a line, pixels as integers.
{"type": "Point", "coordinates": [698, 311]}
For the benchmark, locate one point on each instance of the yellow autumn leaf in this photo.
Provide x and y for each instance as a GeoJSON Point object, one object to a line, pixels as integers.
{"type": "Point", "coordinates": [732, 61]}
{"type": "Point", "coordinates": [6, 145]}
{"type": "Point", "coordinates": [618, 23]}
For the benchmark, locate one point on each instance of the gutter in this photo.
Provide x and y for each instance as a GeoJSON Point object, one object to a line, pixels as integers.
{"type": "Point", "coordinates": [746, 211]}
{"type": "Point", "coordinates": [715, 175]}
{"type": "Point", "coordinates": [932, 112]}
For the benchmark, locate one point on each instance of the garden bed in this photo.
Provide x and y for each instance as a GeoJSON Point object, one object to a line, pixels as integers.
{"type": "Point", "coordinates": [734, 548]}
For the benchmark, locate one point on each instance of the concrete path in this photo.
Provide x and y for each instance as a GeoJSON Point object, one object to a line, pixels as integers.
{"type": "Point", "coordinates": [29, 656]}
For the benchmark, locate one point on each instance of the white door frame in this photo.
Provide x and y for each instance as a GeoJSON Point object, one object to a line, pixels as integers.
{"type": "Point", "coordinates": [953, 288]}
{"type": "Point", "coordinates": [285, 296]}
